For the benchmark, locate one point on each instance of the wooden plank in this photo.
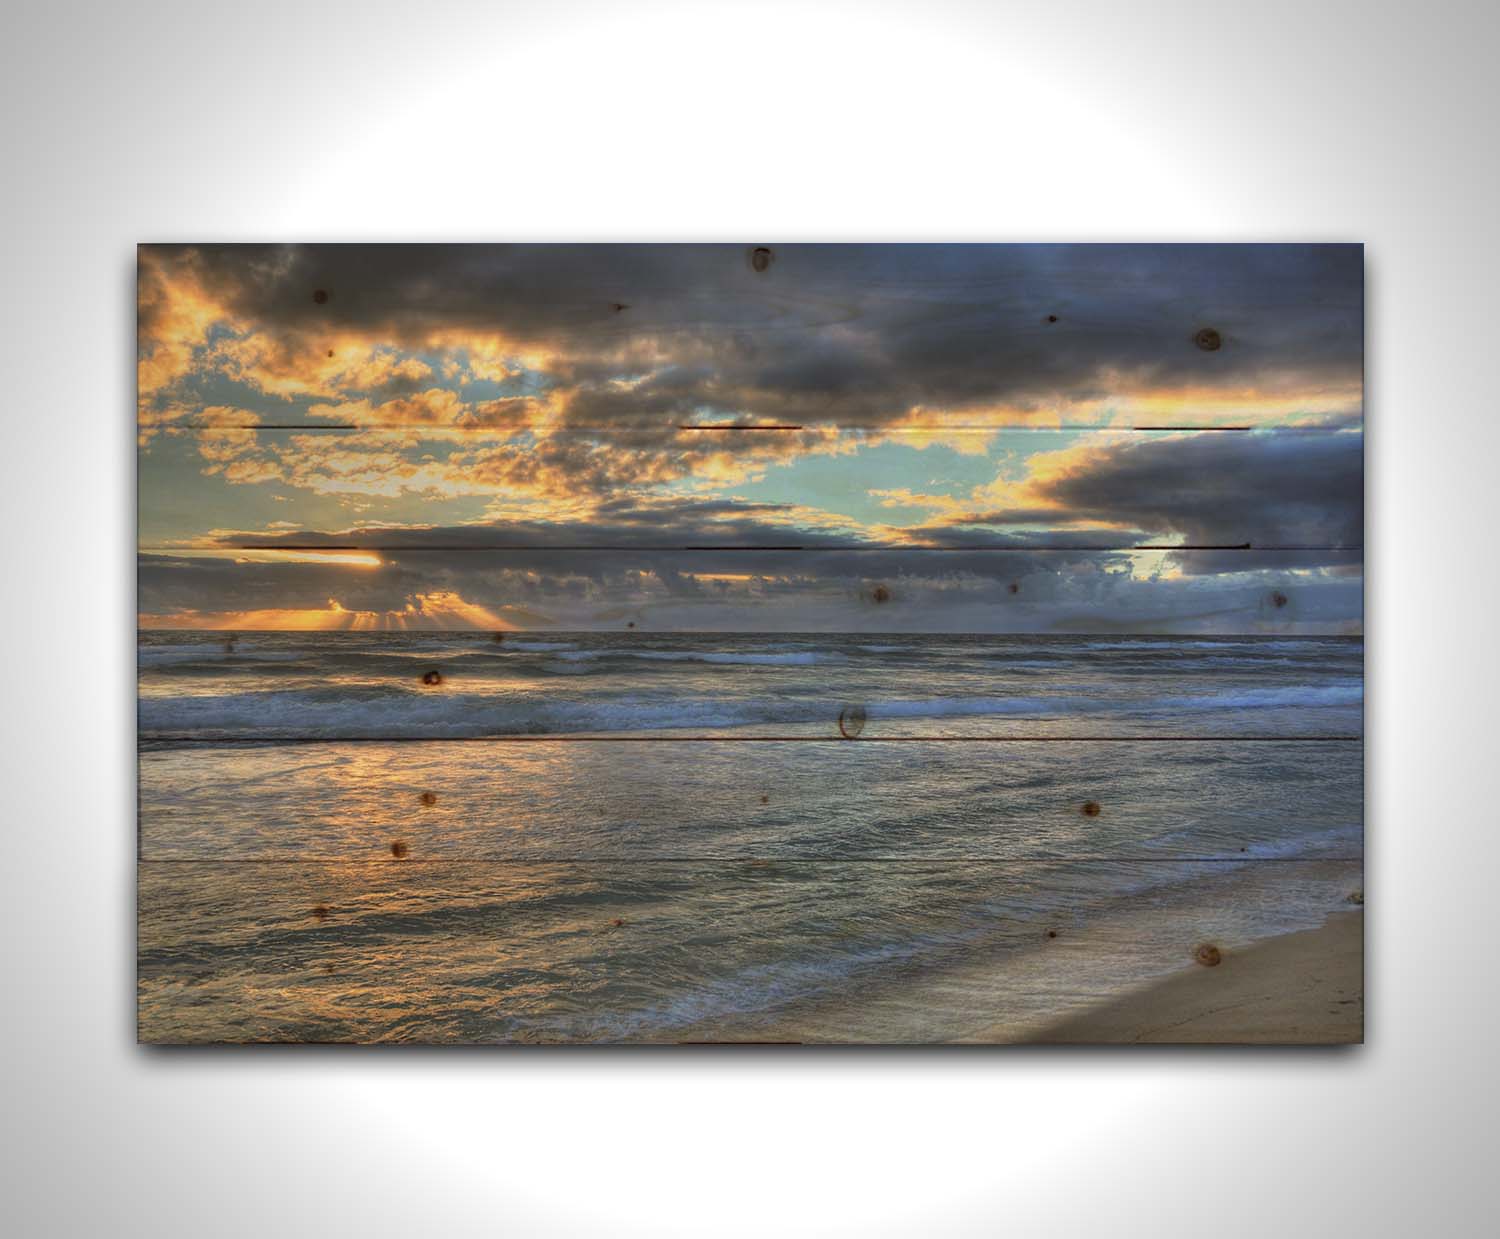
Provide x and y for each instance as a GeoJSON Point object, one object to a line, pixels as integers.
{"type": "Point", "coordinates": [785, 591]}
{"type": "Point", "coordinates": [393, 686]}
{"type": "Point", "coordinates": [787, 951]}
{"type": "Point", "coordinates": [816, 487]}
{"type": "Point", "coordinates": [833, 334]}
{"type": "Point", "coordinates": [679, 801]}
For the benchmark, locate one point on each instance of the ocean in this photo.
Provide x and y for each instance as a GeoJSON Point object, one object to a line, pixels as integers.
{"type": "Point", "coordinates": [643, 837]}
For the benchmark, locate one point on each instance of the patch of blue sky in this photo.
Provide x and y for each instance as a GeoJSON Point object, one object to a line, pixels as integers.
{"type": "Point", "coordinates": [185, 502]}
{"type": "Point", "coordinates": [214, 388]}
{"type": "Point", "coordinates": [847, 485]}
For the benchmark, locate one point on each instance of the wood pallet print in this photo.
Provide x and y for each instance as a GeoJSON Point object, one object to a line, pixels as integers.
{"type": "Point", "coordinates": [750, 643]}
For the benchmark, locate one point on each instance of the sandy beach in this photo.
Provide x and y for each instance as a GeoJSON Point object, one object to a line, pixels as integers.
{"type": "Point", "coordinates": [1301, 988]}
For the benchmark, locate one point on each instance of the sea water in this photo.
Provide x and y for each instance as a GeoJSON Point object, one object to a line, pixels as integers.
{"type": "Point", "coordinates": [577, 863]}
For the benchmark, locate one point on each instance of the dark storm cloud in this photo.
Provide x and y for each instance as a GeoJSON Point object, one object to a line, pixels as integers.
{"type": "Point", "coordinates": [538, 578]}
{"type": "Point", "coordinates": [1273, 489]}
{"type": "Point", "coordinates": [625, 555]}
{"type": "Point", "coordinates": [616, 524]}
{"type": "Point", "coordinates": [854, 334]}
{"type": "Point", "coordinates": [167, 583]}
{"type": "Point", "coordinates": [621, 525]}
{"type": "Point", "coordinates": [884, 591]}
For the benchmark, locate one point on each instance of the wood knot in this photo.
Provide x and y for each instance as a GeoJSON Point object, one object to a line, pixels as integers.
{"type": "Point", "coordinates": [320, 296]}
{"type": "Point", "coordinates": [1278, 599]}
{"type": "Point", "coordinates": [1357, 898]}
{"type": "Point", "coordinates": [320, 912]}
{"type": "Point", "coordinates": [1207, 954]}
{"type": "Point", "coordinates": [497, 637]}
{"type": "Point", "coordinates": [1052, 318]}
{"type": "Point", "coordinates": [432, 677]}
{"type": "Point", "coordinates": [1090, 808]}
{"type": "Point", "coordinates": [880, 594]}
{"type": "Point", "coordinates": [399, 849]}
{"type": "Point", "coordinates": [1052, 933]}
{"type": "Point", "coordinates": [1014, 587]}
{"type": "Point", "coordinates": [851, 721]}
{"type": "Point", "coordinates": [764, 799]}
{"type": "Point", "coordinates": [1208, 339]}
{"type": "Point", "coordinates": [428, 798]}
{"type": "Point", "coordinates": [761, 259]}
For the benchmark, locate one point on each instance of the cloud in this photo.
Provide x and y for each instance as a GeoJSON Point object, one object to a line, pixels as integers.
{"type": "Point", "coordinates": [535, 396]}
{"type": "Point", "coordinates": [1281, 489]}
{"type": "Point", "coordinates": [853, 335]}
{"type": "Point", "coordinates": [822, 586]}
{"type": "Point", "coordinates": [570, 472]}
{"type": "Point", "coordinates": [1276, 489]}
{"type": "Point", "coordinates": [444, 611]}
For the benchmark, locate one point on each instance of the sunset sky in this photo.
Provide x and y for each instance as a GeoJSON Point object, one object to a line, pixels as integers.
{"type": "Point", "coordinates": [583, 413]}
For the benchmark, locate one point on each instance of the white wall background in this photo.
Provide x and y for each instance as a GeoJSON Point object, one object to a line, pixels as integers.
{"type": "Point", "coordinates": [758, 121]}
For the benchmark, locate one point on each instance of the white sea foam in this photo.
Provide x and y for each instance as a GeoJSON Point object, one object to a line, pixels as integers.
{"type": "Point", "coordinates": [395, 712]}
{"type": "Point", "coordinates": [180, 655]}
{"type": "Point", "coordinates": [1177, 644]}
{"type": "Point", "coordinates": [803, 658]}
{"type": "Point", "coordinates": [1338, 694]}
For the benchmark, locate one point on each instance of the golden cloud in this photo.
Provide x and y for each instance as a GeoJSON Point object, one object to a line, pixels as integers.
{"type": "Point", "coordinates": [438, 611]}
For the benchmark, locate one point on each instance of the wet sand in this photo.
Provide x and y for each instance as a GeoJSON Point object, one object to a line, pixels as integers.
{"type": "Point", "coordinates": [1302, 988]}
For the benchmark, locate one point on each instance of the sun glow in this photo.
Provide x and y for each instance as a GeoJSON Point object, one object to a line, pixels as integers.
{"type": "Point", "coordinates": [441, 610]}
{"type": "Point", "coordinates": [273, 555]}
{"type": "Point", "coordinates": [349, 559]}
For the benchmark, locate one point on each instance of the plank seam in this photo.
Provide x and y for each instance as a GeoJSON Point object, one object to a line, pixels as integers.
{"type": "Point", "coordinates": [754, 860]}
{"type": "Point", "coordinates": [838, 427]}
{"type": "Point", "coordinates": [548, 739]}
{"type": "Point", "coordinates": [657, 548]}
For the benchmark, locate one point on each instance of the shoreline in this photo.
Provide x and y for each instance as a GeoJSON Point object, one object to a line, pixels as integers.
{"type": "Point", "coordinates": [1300, 988]}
